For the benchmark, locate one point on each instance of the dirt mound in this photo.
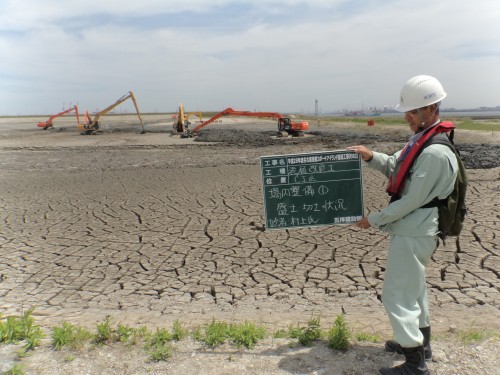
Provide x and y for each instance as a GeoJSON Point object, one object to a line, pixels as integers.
{"type": "Point", "coordinates": [475, 156]}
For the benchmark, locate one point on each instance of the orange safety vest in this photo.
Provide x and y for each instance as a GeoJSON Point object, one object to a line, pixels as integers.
{"type": "Point", "coordinates": [408, 156]}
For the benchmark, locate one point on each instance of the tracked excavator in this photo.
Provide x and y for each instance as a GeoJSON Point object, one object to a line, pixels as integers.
{"type": "Point", "coordinates": [49, 123]}
{"type": "Point", "coordinates": [182, 125]}
{"type": "Point", "coordinates": [92, 126]}
{"type": "Point", "coordinates": [286, 126]}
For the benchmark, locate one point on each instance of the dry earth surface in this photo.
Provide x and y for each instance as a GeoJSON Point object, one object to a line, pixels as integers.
{"type": "Point", "coordinates": [151, 228]}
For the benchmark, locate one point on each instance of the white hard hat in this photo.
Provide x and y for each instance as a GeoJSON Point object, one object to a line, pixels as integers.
{"type": "Point", "coordinates": [420, 91]}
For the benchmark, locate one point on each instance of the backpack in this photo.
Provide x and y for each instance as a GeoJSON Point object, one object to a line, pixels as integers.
{"type": "Point", "coordinates": [452, 210]}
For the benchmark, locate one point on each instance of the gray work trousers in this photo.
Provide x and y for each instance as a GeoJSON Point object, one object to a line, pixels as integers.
{"type": "Point", "coordinates": [404, 293]}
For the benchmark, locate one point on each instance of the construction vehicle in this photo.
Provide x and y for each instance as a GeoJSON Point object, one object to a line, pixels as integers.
{"type": "Point", "coordinates": [285, 125]}
{"type": "Point", "coordinates": [182, 124]}
{"type": "Point", "coordinates": [49, 123]}
{"type": "Point", "coordinates": [92, 126]}
{"type": "Point", "coordinates": [199, 114]}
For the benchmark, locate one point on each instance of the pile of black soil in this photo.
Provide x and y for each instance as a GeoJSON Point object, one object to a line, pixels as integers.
{"type": "Point", "coordinates": [474, 156]}
{"type": "Point", "coordinates": [479, 156]}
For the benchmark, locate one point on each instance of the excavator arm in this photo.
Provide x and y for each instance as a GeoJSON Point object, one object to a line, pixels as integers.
{"type": "Point", "coordinates": [49, 123]}
{"type": "Point", "coordinates": [194, 114]}
{"type": "Point", "coordinates": [232, 112]}
{"type": "Point", "coordinates": [93, 125]}
{"type": "Point", "coordinates": [284, 123]}
{"type": "Point", "coordinates": [180, 124]}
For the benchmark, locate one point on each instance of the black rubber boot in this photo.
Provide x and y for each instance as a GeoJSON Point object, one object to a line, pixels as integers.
{"type": "Point", "coordinates": [394, 347]}
{"type": "Point", "coordinates": [413, 365]}
{"type": "Point", "coordinates": [426, 331]}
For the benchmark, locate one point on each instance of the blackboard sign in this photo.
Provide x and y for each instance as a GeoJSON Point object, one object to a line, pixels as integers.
{"type": "Point", "coordinates": [312, 189]}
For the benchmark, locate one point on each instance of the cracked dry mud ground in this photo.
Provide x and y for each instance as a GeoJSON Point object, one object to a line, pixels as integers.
{"type": "Point", "coordinates": [149, 231]}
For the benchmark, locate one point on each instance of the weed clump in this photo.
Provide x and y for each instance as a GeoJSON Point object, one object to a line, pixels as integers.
{"type": "Point", "coordinates": [69, 335]}
{"type": "Point", "coordinates": [339, 334]}
{"type": "Point", "coordinates": [21, 328]}
{"type": "Point", "coordinates": [246, 334]}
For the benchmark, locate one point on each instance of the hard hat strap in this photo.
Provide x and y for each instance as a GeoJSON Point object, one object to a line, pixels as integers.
{"type": "Point", "coordinates": [421, 119]}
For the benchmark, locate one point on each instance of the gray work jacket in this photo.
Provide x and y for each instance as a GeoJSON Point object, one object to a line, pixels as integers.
{"type": "Point", "coordinates": [432, 175]}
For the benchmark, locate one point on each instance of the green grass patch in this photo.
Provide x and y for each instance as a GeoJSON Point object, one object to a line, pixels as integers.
{"type": "Point", "coordinates": [465, 123]}
{"type": "Point", "coordinates": [178, 331]}
{"type": "Point", "coordinates": [339, 334]}
{"type": "Point", "coordinates": [158, 345]}
{"type": "Point", "coordinates": [214, 333]}
{"type": "Point", "coordinates": [124, 333]}
{"type": "Point", "coordinates": [160, 337]}
{"type": "Point", "coordinates": [246, 334]}
{"type": "Point", "coordinates": [159, 353]}
{"type": "Point", "coordinates": [14, 329]}
{"type": "Point", "coordinates": [16, 369]}
{"type": "Point", "coordinates": [69, 335]}
{"type": "Point", "coordinates": [475, 335]}
{"type": "Point", "coordinates": [367, 337]}
{"type": "Point", "coordinates": [385, 121]}
{"type": "Point", "coordinates": [306, 334]}
{"type": "Point", "coordinates": [104, 332]}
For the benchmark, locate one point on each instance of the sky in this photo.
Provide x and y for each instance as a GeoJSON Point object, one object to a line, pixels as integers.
{"type": "Point", "coordinates": [256, 55]}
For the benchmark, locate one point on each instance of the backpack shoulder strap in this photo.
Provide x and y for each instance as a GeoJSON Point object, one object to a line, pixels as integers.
{"type": "Point", "coordinates": [442, 139]}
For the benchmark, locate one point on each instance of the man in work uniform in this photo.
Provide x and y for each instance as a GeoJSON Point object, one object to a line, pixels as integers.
{"type": "Point", "coordinates": [413, 229]}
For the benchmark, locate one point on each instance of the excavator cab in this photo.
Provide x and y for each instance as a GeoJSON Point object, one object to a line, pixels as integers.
{"type": "Point", "coordinates": [295, 129]}
{"type": "Point", "coordinates": [284, 124]}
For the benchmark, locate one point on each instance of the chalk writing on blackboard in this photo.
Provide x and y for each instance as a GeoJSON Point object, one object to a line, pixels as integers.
{"type": "Point", "coordinates": [312, 189]}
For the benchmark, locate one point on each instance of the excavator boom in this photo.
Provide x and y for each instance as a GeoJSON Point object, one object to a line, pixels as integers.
{"type": "Point", "coordinates": [49, 123]}
{"type": "Point", "coordinates": [93, 125]}
{"type": "Point", "coordinates": [284, 123]}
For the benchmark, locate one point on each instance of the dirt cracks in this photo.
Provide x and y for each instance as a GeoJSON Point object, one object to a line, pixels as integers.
{"type": "Point", "coordinates": [151, 228]}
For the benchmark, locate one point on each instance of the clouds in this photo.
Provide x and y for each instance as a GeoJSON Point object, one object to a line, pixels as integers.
{"type": "Point", "coordinates": [269, 55]}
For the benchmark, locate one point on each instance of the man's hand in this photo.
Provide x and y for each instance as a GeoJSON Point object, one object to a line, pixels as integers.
{"type": "Point", "coordinates": [363, 223]}
{"type": "Point", "coordinates": [366, 153]}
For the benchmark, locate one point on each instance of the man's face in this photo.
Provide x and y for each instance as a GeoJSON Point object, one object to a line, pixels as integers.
{"type": "Point", "coordinates": [415, 120]}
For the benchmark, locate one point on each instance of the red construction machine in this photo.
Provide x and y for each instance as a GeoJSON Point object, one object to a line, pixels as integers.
{"type": "Point", "coordinates": [285, 125]}
{"type": "Point", "coordinates": [49, 123]}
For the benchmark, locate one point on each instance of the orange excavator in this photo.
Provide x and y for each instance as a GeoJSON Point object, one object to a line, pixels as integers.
{"type": "Point", "coordinates": [49, 123]}
{"type": "Point", "coordinates": [92, 126]}
{"type": "Point", "coordinates": [285, 125]}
